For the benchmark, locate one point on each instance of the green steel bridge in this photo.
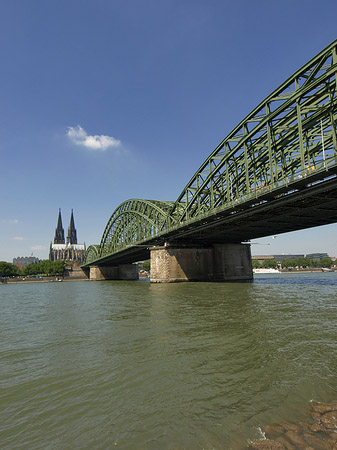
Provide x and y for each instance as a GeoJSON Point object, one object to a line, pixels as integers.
{"type": "Point", "coordinates": [275, 172]}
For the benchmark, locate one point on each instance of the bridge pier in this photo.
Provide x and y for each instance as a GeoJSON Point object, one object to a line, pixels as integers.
{"type": "Point", "coordinates": [219, 262]}
{"type": "Point", "coordinates": [120, 272]}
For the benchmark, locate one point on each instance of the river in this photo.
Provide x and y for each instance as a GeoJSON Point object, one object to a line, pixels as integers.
{"type": "Point", "coordinates": [134, 365]}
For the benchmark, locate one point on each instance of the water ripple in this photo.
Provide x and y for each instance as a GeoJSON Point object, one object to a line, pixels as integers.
{"type": "Point", "coordinates": [138, 366]}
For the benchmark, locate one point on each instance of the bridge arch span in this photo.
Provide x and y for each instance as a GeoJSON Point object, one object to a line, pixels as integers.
{"type": "Point", "coordinates": [133, 221]}
{"type": "Point", "coordinates": [91, 254]}
{"type": "Point", "coordinates": [290, 135]}
{"type": "Point", "coordinates": [270, 175]}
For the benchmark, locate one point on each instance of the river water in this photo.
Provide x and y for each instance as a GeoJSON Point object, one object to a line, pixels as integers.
{"type": "Point", "coordinates": [134, 365]}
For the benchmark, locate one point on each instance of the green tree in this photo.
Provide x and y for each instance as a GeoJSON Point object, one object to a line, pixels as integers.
{"type": "Point", "coordinates": [286, 263]}
{"type": "Point", "coordinates": [303, 262]}
{"type": "Point", "coordinates": [269, 264]}
{"type": "Point", "coordinates": [8, 269]}
{"type": "Point", "coordinates": [32, 269]}
{"type": "Point", "coordinates": [58, 267]}
{"type": "Point", "coordinates": [256, 264]}
{"type": "Point", "coordinates": [146, 265]}
{"type": "Point", "coordinates": [46, 267]}
{"type": "Point", "coordinates": [325, 262]}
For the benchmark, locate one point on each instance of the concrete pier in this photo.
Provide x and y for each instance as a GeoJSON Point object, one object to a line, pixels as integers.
{"type": "Point", "coordinates": [219, 262]}
{"type": "Point", "coordinates": [121, 272]}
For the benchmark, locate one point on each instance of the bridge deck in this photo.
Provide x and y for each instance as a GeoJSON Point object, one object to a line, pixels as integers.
{"type": "Point", "coordinates": [275, 172]}
{"type": "Point", "coordinates": [306, 205]}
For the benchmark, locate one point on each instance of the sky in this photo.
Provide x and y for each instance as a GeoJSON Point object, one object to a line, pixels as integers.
{"type": "Point", "coordinates": [107, 100]}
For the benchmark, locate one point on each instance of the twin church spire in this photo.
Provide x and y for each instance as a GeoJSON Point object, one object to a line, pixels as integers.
{"type": "Point", "coordinates": [66, 249]}
{"type": "Point", "coordinates": [59, 232]}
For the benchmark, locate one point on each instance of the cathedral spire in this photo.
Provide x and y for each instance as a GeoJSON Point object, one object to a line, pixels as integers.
{"type": "Point", "coordinates": [59, 232]}
{"type": "Point", "coordinates": [72, 235]}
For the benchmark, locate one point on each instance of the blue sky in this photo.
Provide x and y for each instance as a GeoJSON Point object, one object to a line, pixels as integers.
{"type": "Point", "coordinates": [106, 100]}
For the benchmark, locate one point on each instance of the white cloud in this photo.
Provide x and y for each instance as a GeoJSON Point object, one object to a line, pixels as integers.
{"type": "Point", "coordinates": [38, 247]}
{"type": "Point", "coordinates": [98, 142]}
{"type": "Point", "coordinates": [10, 221]}
{"type": "Point", "coordinates": [17, 238]}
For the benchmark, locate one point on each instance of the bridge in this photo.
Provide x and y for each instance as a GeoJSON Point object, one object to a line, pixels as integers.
{"type": "Point", "coordinates": [275, 172]}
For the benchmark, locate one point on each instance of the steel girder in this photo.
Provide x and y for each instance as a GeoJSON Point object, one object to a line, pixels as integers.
{"type": "Point", "coordinates": [290, 135]}
{"type": "Point", "coordinates": [133, 222]}
{"type": "Point", "coordinates": [91, 254]}
{"type": "Point", "coordinates": [286, 143]}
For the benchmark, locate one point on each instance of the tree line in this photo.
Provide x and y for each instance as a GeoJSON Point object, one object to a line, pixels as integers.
{"type": "Point", "coordinates": [43, 268]}
{"type": "Point", "coordinates": [303, 262]}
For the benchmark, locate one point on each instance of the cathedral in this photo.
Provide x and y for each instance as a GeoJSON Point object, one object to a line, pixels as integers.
{"type": "Point", "coordinates": [68, 250]}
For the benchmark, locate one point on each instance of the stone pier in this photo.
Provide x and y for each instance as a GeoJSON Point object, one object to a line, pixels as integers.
{"type": "Point", "coordinates": [120, 272]}
{"type": "Point", "coordinates": [219, 262]}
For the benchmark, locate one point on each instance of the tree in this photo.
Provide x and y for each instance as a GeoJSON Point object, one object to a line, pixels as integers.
{"type": "Point", "coordinates": [146, 265]}
{"type": "Point", "coordinates": [45, 267]}
{"type": "Point", "coordinates": [256, 264]}
{"type": "Point", "coordinates": [8, 269]}
{"type": "Point", "coordinates": [269, 264]}
{"type": "Point", "coordinates": [325, 262]}
{"type": "Point", "coordinates": [303, 262]}
{"type": "Point", "coordinates": [286, 263]}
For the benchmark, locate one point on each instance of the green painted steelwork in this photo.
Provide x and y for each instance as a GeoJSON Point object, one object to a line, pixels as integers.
{"type": "Point", "coordinates": [288, 139]}
{"type": "Point", "coordinates": [132, 222]}
{"type": "Point", "coordinates": [91, 254]}
{"type": "Point", "coordinates": [291, 134]}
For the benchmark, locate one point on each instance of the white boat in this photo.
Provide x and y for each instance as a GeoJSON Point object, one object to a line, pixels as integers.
{"type": "Point", "coordinates": [266, 271]}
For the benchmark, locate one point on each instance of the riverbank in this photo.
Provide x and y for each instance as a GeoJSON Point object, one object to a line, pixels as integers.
{"type": "Point", "coordinates": [293, 271]}
{"type": "Point", "coordinates": [21, 280]}
{"type": "Point", "coordinates": [318, 270]}
{"type": "Point", "coordinates": [320, 433]}
{"type": "Point", "coordinates": [83, 277]}
{"type": "Point", "coordinates": [70, 274]}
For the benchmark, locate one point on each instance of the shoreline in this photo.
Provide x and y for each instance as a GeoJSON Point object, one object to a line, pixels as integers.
{"type": "Point", "coordinates": [312, 270]}
{"type": "Point", "coordinates": [42, 280]}
{"type": "Point", "coordinates": [18, 280]}
{"type": "Point", "coordinates": [317, 432]}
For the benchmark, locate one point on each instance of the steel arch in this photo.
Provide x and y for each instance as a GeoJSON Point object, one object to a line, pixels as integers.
{"type": "Point", "coordinates": [291, 134]}
{"type": "Point", "coordinates": [91, 254]}
{"type": "Point", "coordinates": [133, 222]}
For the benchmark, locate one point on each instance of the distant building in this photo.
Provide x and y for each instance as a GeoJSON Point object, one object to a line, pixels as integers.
{"type": "Point", "coordinates": [280, 258]}
{"type": "Point", "coordinates": [69, 249]}
{"type": "Point", "coordinates": [277, 258]}
{"type": "Point", "coordinates": [23, 261]}
{"type": "Point", "coordinates": [317, 256]}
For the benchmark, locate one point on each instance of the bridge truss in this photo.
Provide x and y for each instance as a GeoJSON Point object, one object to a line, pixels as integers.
{"type": "Point", "coordinates": [291, 134]}
{"type": "Point", "coordinates": [283, 153]}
